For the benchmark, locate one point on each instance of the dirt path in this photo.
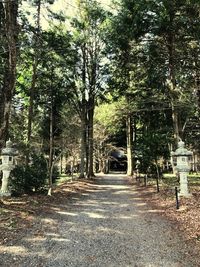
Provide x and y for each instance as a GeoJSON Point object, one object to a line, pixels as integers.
{"type": "Point", "coordinates": [108, 226]}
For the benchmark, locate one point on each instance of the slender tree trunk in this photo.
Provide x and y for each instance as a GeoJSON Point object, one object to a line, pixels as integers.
{"type": "Point", "coordinates": [87, 144]}
{"type": "Point", "coordinates": [83, 117]}
{"type": "Point", "coordinates": [30, 111]}
{"type": "Point", "coordinates": [83, 147]}
{"type": "Point", "coordinates": [175, 122]}
{"type": "Point", "coordinates": [129, 136]}
{"type": "Point", "coordinates": [50, 149]}
{"type": "Point", "coordinates": [172, 79]}
{"type": "Point", "coordinates": [91, 138]}
{"type": "Point", "coordinates": [33, 82]}
{"type": "Point", "coordinates": [197, 84]}
{"type": "Point", "coordinates": [61, 163]}
{"type": "Point", "coordinates": [51, 141]}
{"type": "Point", "coordinates": [198, 93]}
{"type": "Point", "coordinates": [11, 33]}
{"type": "Point", "coordinates": [84, 141]}
{"type": "Point", "coordinates": [106, 166]}
{"type": "Point", "coordinates": [4, 64]}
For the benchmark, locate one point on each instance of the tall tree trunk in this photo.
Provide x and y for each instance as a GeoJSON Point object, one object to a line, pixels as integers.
{"type": "Point", "coordinates": [33, 82]}
{"type": "Point", "coordinates": [51, 145]}
{"type": "Point", "coordinates": [197, 84]}
{"type": "Point", "coordinates": [11, 33]}
{"type": "Point", "coordinates": [198, 93]}
{"type": "Point", "coordinates": [87, 144]}
{"type": "Point", "coordinates": [83, 147]}
{"type": "Point", "coordinates": [90, 137]}
{"type": "Point", "coordinates": [157, 176]}
{"type": "Point", "coordinates": [30, 111]}
{"type": "Point", "coordinates": [129, 136]}
{"type": "Point", "coordinates": [83, 117]}
{"type": "Point", "coordinates": [4, 63]}
{"type": "Point", "coordinates": [172, 79]}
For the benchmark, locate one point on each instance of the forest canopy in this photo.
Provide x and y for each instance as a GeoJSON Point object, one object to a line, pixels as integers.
{"type": "Point", "coordinates": [91, 77]}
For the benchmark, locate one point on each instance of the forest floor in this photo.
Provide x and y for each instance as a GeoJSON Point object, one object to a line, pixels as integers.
{"type": "Point", "coordinates": [186, 218]}
{"type": "Point", "coordinates": [39, 230]}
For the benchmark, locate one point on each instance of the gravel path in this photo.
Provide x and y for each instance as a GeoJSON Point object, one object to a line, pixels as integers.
{"type": "Point", "coordinates": [107, 227]}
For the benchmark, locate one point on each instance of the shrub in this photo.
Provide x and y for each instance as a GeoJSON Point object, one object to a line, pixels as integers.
{"type": "Point", "coordinates": [26, 179]}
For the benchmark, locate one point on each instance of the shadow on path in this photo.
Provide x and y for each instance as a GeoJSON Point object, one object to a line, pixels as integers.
{"type": "Point", "coordinates": [108, 226]}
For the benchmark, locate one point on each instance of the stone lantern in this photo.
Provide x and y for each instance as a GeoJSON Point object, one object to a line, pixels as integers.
{"type": "Point", "coordinates": [8, 163]}
{"type": "Point", "coordinates": [183, 168]}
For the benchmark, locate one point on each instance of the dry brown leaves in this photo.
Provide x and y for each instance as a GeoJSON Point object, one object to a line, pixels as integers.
{"type": "Point", "coordinates": [186, 218]}
{"type": "Point", "coordinates": [19, 214]}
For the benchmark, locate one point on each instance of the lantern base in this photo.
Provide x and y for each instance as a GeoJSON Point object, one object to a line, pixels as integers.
{"type": "Point", "coordinates": [188, 195]}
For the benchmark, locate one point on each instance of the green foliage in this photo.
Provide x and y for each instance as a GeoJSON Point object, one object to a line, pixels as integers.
{"type": "Point", "coordinates": [152, 141]}
{"type": "Point", "coordinates": [110, 117]}
{"type": "Point", "coordinates": [103, 115]}
{"type": "Point", "coordinates": [26, 179]}
{"type": "Point", "coordinates": [131, 49]}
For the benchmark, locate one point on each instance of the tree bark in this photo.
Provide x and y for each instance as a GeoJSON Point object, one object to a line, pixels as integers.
{"type": "Point", "coordinates": [83, 117]}
{"type": "Point", "coordinates": [172, 79]}
{"type": "Point", "coordinates": [129, 133]}
{"type": "Point", "coordinates": [83, 147]}
{"type": "Point", "coordinates": [91, 137]}
{"type": "Point", "coordinates": [33, 82]}
{"type": "Point", "coordinates": [197, 84]}
{"type": "Point", "coordinates": [51, 141]}
{"type": "Point", "coordinates": [11, 33]}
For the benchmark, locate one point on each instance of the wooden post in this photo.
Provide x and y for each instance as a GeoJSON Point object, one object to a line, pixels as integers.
{"type": "Point", "coordinates": [176, 194]}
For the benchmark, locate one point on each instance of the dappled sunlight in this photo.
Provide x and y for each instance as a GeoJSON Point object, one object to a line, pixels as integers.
{"type": "Point", "coordinates": [85, 229]}
{"type": "Point", "coordinates": [138, 199]}
{"type": "Point", "coordinates": [123, 217]}
{"type": "Point", "coordinates": [52, 235]}
{"type": "Point", "coordinates": [61, 239]}
{"type": "Point", "coordinates": [37, 239]}
{"type": "Point", "coordinates": [67, 213]}
{"type": "Point", "coordinates": [15, 202]}
{"type": "Point", "coordinates": [109, 203]}
{"type": "Point", "coordinates": [116, 187]}
{"type": "Point", "coordinates": [122, 192]}
{"type": "Point", "coordinates": [17, 250]}
{"type": "Point", "coordinates": [94, 215]}
{"type": "Point", "coordinates": [151, 211]}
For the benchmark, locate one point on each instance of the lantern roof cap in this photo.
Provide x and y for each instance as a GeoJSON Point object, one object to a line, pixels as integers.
{"type": "Point", "coordinates": [9, 150]}
{"type": "Point", "coordinates": [181, 150]}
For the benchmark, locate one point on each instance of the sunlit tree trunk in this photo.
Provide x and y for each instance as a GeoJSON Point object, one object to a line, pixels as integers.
{"type": "Point", "coordinates": [51, 146]}
{"type": "Point", "coordinates": [91, 138]}
{"type": "Point", "coordinates": [129, 135]}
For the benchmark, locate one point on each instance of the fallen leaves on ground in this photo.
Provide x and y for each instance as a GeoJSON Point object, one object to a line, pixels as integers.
{"type": "Point", "coordinates": [186, 218]}
{"type": "Point", "coordinates": [20, 213]}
